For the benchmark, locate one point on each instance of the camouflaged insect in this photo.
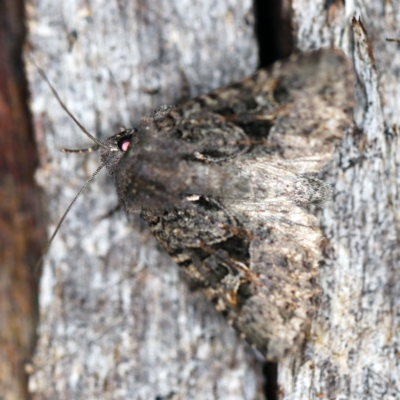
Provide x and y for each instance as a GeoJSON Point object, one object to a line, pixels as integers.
{"type": "Point", "coordinates": [226, 183]}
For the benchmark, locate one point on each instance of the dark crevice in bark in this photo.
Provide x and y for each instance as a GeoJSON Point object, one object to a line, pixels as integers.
{"type": "Point", "coordinates": [275, 41]}
{"type": "Point", "coordinates": [270, 371]}
{"type": "Point", "coordinates": [273, 31]}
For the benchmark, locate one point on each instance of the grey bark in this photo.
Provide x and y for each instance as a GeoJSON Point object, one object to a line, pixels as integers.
{"type": "Point", "coordinates": [117, 321]}
{"type": "Point", "coordinates": [354, 342]}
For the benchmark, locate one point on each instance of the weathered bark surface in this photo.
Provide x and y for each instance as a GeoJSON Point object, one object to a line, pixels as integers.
{"type": "Point", "coordinates": [21, 233]}
{"type": "Point", "coordinates": [353, 352]}
{"type": "Point", "coordinates": [116, 319]}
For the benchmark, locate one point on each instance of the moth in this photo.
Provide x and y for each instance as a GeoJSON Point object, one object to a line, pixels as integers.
{"type": "Point", "coordinates": [227, 183]}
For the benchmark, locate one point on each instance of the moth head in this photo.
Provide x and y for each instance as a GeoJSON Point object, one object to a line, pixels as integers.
{"type": "Point", "coordinates": [111, 152]}
{"type": "Point", "coordinates": [115, 147]}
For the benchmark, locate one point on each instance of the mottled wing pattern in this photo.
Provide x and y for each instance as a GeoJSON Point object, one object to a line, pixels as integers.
{"type": "Point", "coordinates": [226, 183]}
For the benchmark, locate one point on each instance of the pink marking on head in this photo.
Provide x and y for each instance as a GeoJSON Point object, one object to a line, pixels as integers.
{"type": "Point", "coordinates": [125, 145]}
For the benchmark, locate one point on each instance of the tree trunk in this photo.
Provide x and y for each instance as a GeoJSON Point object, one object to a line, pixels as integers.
{"type": "Point", "coordinates": [353, 352]}
{"type": "Point", "coordinates": [117, 320]}
{"type": "Point", "coordinates": [22, 235]}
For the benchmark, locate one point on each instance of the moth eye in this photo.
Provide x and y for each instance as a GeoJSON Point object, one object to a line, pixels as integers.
{"type": "Point", "coordinates": [124, 143]}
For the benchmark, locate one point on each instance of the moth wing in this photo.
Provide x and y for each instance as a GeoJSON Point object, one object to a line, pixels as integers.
{"type": "Point", "coordinates": [276, 317]}
{"type": "Point", "coordinates": [257, 264]}
{"type": "Point", "coordinates": [294, 113]}
{"type": "Point", "coordinates": [290, 116]}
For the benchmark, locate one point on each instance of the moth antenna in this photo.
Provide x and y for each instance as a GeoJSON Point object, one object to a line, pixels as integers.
{"type": "Point", "coordinates": [64, 216]}
{"type": "Point", "coordinates": [64, 107]}
{"type": "Point", "coordinates": [88, 150]}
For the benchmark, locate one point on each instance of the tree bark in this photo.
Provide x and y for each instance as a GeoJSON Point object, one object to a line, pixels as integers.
{"type": "Point", "coordinates": [117, 321]}
{"type": "Point", "coordinates": [22, 233]}
{"type": "Point", "coordinates": [353, 350]}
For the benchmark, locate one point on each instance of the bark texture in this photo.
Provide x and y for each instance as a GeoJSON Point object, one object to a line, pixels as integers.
{"type": "Point", "coordinates": [116, 319]}
{"type": "Point", "coordinates": [353, 352]}
{"type": "Point", "coordinates": [21, 233]}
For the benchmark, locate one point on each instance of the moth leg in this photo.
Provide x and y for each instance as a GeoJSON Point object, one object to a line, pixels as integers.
{"type": "Point", "coordinates": [117, 208]}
